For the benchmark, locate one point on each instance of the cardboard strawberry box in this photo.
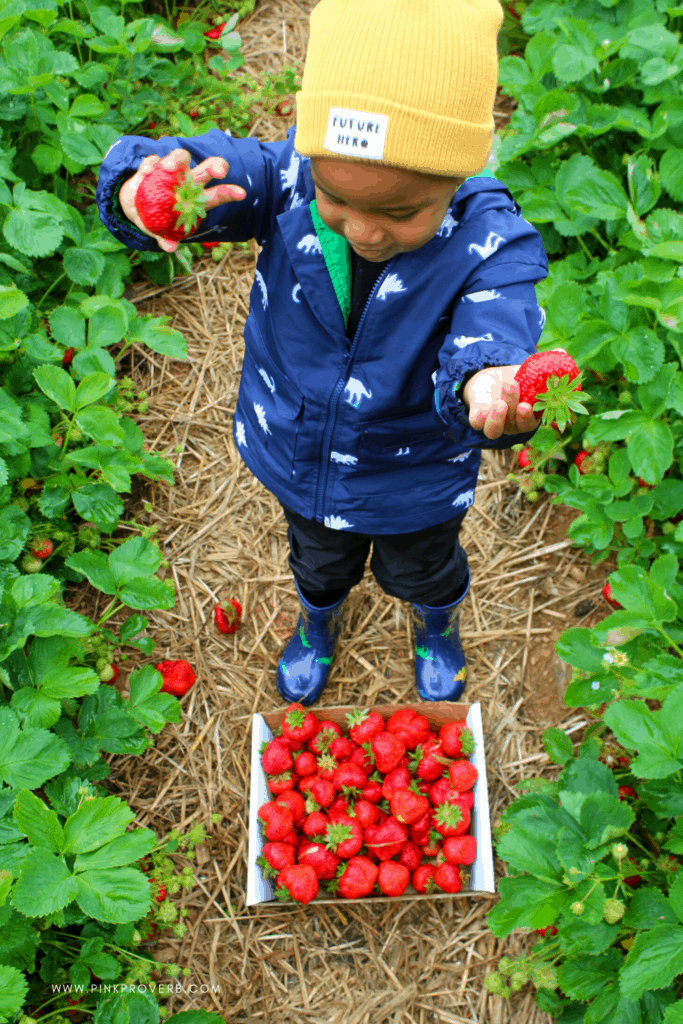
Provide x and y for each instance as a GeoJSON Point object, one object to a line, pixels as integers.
{"type": "Point", "coordinates": [481, 878]}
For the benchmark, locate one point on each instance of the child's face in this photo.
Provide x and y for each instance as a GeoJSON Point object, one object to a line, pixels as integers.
{"type": "Point", "coordinates": [380, 211]}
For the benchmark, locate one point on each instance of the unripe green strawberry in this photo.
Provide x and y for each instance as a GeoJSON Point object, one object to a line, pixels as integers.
{"type": "Point", "coordinates": [545, 976]}
{"type": "Point", "coordinates": [31, 564]}
{"type": "Point", "coordinates": [619, 850]}
{"type": "Point", "coordinates": [577, 908]}
{"type": "Point", "coordinates": [614, 911]}
{"type": "Point", "coordinates": [505, 965]}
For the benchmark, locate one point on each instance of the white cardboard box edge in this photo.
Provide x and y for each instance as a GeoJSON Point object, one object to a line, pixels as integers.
{"type": "Point", "coordinates": [260, 890]}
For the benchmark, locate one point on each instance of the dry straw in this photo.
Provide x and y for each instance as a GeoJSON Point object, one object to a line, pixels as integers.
{"type": "Point", "coordinates": [225, 536]}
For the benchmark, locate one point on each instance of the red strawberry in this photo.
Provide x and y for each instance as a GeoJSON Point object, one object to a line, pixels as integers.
{"type": "Point", "coordinates": [227, 616]}
{"type": "Point", "coordinates": [323, 792]}
{"type": "Point", "coordinates": [428, 760]}
{"type": "Point", "coordinates": [633, 880]}
{"type": "Point", "coordinates": [407, 805]}
{"type": "Point", "coordinates": [209, 245]}
{"type": "Point", "coordinates": [341, 807]}
{"type": "Point", "coordinates": [642, 483]}
{"type": "Point", "coordinates": [41, 547]}
{"type": "Point", "coordinates": [423, 878]}
{"type": "Point", "coordinates": [451, 819]}
{"type": "Point", "coordinates": [410, 727]}
{"type": "Point", "coordinates": [393, 878]}
{"type": "Point", "coordinates": [442, 792]}
{"type": "Point", "coordinates": [357, 878]}
{"type": "Point", "coordinates": [463, 775]}
{"type": "Point", "coordinates": [387, 751]}
{"type": "Point", "coordinates": [447, 877]}
{"type": "Point", "coordinates": [524, 459]}
{"type": "Point", "coordinates": [607, 594]}
{"type": "Point", "coordinates": [460, 849]}
{"type": "Point", "coordinates": [432, 848]}
{"type": "Point", "coordinates": [170, 203]}
{"type": "Point", "coordinates": [341, 749]}
{"type": "Point", "coordinates": [277, 757]}
{"type": "Point", "coordinates": [579, 460]}
{"type": "Point", "coordinates": [364, 724]}
{"type": "Point", "coordinates": [360, 757]}
{"type": "Point", "coordinates": [381, 817]}
{"type": "Point", "coordinates": [349, 776]}
{"type": "Point", "coordinates": [410, 855]}
{"type": "Point", "coordinates": [314, 824]}
{"type": "Point", "coordinates": [178, 676]}
{"type": "Point", "coordinates": [419, 830]}
{"type": "Point", "coordinates": [215, 33]}
{"type": "Point", "coordinates": [161, 890]}
{"type": "Point", "coordinates": [467, 799]}
{"type": "Point", "coordinates": [280, 783]}
{"type": "Point", "coordinates": [372, 791]}
{"type": "Point", "coordinates": [290, 798]}
{"type": "Point", "coordinates": [550, 930]}
{"type": "Point", "coordinates": [68, 357]}
{"type": "Point", "coordinates": [276, 856]}
{"type": "Point", "coordinates": [278, 820]}
{"type": "Point", "coordinates": [327, 766]}
{"type": "Point", "coordinates": [456, 739]}
{"type": "Point", "coordinates": [344, 837]}
{"type": "Point", "coordinates": [284, 108]}
{"type": "Point", "coordinates": [298, 882]}
{"type": "Point", "coordinates": [306, 783]}
{"type": "Point", "coordinates": [387, 839]}
{"type": "Point", "coordinates": [323, 861]}
{"type": "Point", "coordinates": [398, 778]}
{"type": "Point", "coordinates": [292, 838]}
{"type": "Point", "coordinates": [627, 791]}
{"type": "Point", "coordinates": [365, 813]}
{"type": "Point", "coordinates": [320, 743]}
{"type": "Point", "coordinates": [305, 763]}
{"type": "Point", "coordinates": [405, 761]}
{"type": "Point", "coordinates": [548, 382]}
{"type": "Point", "coordinates": [299, 725]}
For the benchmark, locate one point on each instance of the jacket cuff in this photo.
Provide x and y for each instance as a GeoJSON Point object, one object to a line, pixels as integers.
{"type": "Point", "coordinates": [115, 220]}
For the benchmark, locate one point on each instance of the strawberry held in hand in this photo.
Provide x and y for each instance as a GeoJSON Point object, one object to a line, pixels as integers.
{"type": "Point", "coordinates": [547, 381]}
{"type": "Point", "coordinates": [170, 203]}
{"type": "Point", "coordinates": [178, 676]}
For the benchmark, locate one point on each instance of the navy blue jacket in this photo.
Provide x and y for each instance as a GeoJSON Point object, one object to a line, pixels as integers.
{"type": "Point", "coordinates": [366, 435]}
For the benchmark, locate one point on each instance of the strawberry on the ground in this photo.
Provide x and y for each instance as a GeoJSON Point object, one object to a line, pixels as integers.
{"type": "Point", "coordinates": [356, 878]}
{"type": "Point", "coordinates": [314, 824]}
{"type": "Point", "coordinates": [548, 382]}
{"type": "Point", "coordinates": [305, 763]}
{"type": "Point", "coordinates": [549, 930]}
{"type": "Point", "coordinates": [341, 749]}
{"type": "Point", "coordinates": [364, 724]}
{"type": "Point", "coordinates": [423, 878]}
{"type": "Point", "coordinates": [227, 615]}
{"type": "Point", "coordinates": [607, 594]}
{"type": "Point", "coordinates": [344, 837]}
{"type": "Point", "coordinates": [323, 792]}
{"type": "Point", "coordinates": [360, 757]}
{"type": "Point", "coordinates": [408, 804]}
{"type": "Point", "coordinates": [275, 857]}
{"type": "Point", "coordinates": [460, 849]}
{"type": "Point", "coordinates": [451, 819]}
{"type": "Point", "coordinates": [277, 819]}
{"type": "Point", "coordinates": [365, 813]}
{"type": "Point", "coordinates": [433, 846]}
{"type": "Point", "coordinates": [410, 727]}
{"type": "Point", "coordinates": [217, 32]}
{"type": "Point", "coordinates": [372, 791]}
{"type": "Point", "coordinates": [398, 778]}
{"type": "Point", "coordinates": [393, 878]}
{"type": "Point", "coordinates": [456, 738]}
{"type": "Point", "coordinates": [463, 775]}
{"type": "Point", "coordinates": [410, 855]}
{"type": "Point", "coordinates": [170, 203]}
{"type": "Point", "coordinates": [279, 783]}
{"type": "Point", "coordinates": [290, 798]}
{"type": "Point", "coordinates": [298, 882]}
{"type": "Point", "coordinates": [284, 108]}
{"type": "Point", "coordinates": [386, 751]}
{"type": "Point", "coordinates": [428, 760]}
{"type": "Point", "coordinates": [447, 877]}
{"type": "Point", "coordinates": [386, 840]}
{"type": "Point", "coordinates": [41, 547]}
{"type": "Point", "coordinates": [349, 775]}
{"type": "Point", "coordinates": [524, 459]}
{"type": "Point", "coordinates": [299, 725]}
{"type": "Point", "coordinates": [320, 743]}
{"type": "Point", "coordinates": [322, 860]}
{"type": "Point", "coordinates": [627, 791]}
{"type": "Point", "coordinates": [178, 677]}
{"type": "Point", "coordinates": [277, 757]}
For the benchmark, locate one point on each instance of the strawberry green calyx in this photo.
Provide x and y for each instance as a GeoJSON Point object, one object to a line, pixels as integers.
{"type": "Point", "coordinates": [282, 894]}
{"type": "Point", "coordinates": [325, 737]}
{"type": "Point", "coordinates": [268, 870]}
{"type": "Point", "coordinates": [467, 741]}
{"type": "Point", "coordinates": [311, 806]}
{"type": "Point", "coordinates": [415, 758]}
{"type": "Point", "coordinates": [351, 793]}
{"type": "Point", "coordinates": [367, 747]}
{"type": "Point", "coordinates": [295, 718]}
{"type": "Point", "coordinates": [337, 834]}
{"type": "Point", "coordinates": [357, 716]}
{"type": "Point", "coordinates": [190, 204]}
{"type": "Point", "coordinates": [559, 401]}
{"type": "Point", "coordinates": [327, 763]}
{"type": "Point", "coordinates": [449, 815]}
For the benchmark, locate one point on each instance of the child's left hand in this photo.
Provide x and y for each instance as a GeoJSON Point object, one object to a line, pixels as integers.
{"type": "Point", "coordinates": [492, 397]}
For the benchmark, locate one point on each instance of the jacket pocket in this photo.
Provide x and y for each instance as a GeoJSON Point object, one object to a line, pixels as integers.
{"type": "Point", "coordinates": [393, 434]}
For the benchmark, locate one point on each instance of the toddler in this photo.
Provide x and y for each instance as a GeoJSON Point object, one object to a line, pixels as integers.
{"type": "Point", "coordinates": [392, 305]}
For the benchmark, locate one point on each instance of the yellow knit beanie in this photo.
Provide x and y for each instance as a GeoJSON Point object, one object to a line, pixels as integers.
{"type": "Point", "coordinates": [401, 83]}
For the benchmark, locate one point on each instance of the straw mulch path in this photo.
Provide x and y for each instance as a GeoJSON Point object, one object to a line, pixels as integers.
{"type": "Point", "coordinates": [225, 536]}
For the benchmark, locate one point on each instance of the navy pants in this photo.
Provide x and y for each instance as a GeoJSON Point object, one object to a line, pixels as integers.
{"type": "Point", "coordinates": [426, 566]}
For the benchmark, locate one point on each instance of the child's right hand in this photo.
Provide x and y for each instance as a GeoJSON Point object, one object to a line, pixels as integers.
{"type": "Point", "coordinates": [213, 167]}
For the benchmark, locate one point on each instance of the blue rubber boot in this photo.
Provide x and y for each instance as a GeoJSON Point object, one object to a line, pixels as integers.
{"type": "Point", "coordinates": [440, 669]}
{"type": "Point", "coordinates": [303, 669]}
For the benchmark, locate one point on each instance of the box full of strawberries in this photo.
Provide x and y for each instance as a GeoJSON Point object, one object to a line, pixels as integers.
{"type": "Point", "coordinates": [376, 803]}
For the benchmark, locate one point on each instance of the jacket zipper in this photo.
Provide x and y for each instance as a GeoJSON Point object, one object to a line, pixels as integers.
{"type": "Point", "coordinates": [339, 387]}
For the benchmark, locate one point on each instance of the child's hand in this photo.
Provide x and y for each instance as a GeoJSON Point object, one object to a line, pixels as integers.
{"type": "Point", "coordinates": [492, 397]}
